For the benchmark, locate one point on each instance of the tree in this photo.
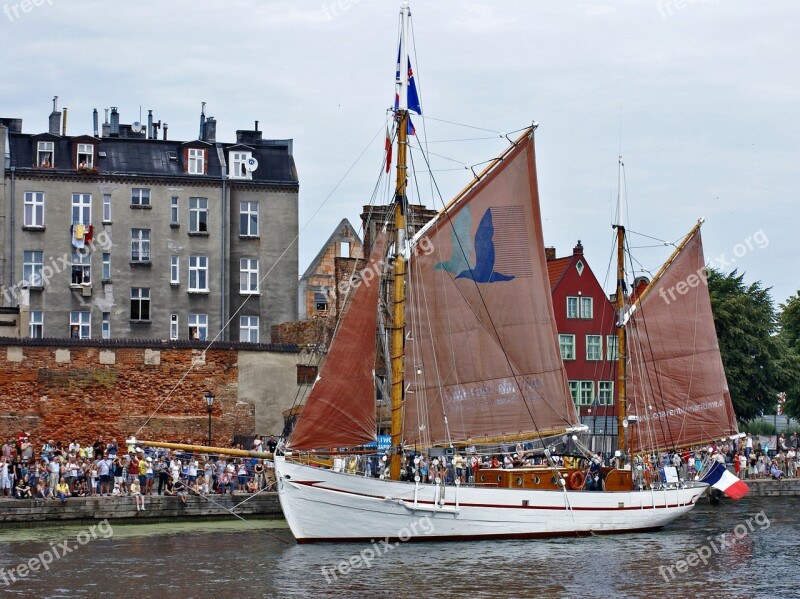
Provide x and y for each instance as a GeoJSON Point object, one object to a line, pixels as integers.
{"type": "Point", "coordinates": [789, 320]}
{"type": "Point", "coordinates": [753, 355]}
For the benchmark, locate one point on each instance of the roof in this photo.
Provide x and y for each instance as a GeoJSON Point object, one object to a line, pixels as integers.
{"type": "Point", "coordinates": [312, 268]}
{"type": "Point", "coordinates": [556, 269]}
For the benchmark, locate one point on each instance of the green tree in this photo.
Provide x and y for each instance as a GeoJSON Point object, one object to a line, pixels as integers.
{"type": "Point", "coordinates": [789, 320]}
{"type": "Point", "coordinates": [752, 352]}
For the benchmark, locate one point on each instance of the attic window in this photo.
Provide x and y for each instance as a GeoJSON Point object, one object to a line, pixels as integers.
{"type": "Point", "coordinates": [579, 267]}
{"type": "Point", "coordinates": [102, 154]}
{"type": "Point", "coordinates": [44, 154]}
{"type": "Point", "coordinates": [85, 157]}
{"type": "Point", "coordinates": [172, 156]}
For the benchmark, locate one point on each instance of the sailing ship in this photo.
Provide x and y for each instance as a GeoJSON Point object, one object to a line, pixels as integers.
{"type": "Point", "coordinates": [475, 363]}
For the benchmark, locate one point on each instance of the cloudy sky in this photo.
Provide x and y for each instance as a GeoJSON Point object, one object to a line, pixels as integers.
{"type": "Point", "coordinates": [701, 95]}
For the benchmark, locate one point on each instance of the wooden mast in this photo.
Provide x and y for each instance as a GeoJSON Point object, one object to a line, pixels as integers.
{"type": "Point", "coordinates": [621, 348]}
{"type": "Point", "coordinates": [400, 203]}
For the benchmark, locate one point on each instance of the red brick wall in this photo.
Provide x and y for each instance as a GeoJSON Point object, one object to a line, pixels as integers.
{"type": "Point", "coordinates": [83, 398]}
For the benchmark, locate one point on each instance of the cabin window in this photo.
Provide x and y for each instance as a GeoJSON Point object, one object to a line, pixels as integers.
{"type": "Point", "coordinates": [45, 157]}
{"type": "Point", "coordinates": [594, 347]}
{"type": "Point", "coordinates": [85, 157]}
{"type": "Point", "coordinates": [567, 345]}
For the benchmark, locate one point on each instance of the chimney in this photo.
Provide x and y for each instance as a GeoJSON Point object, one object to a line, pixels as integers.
{"type": "Point", "coordinates": [202, 121]}
{"type": "Point", "coordinates": [156, 127]}
{"type": "Point", "coordinates": [55, 118]}
{"type": "Point", "coordinates": [248, 137]}
{"type": "Point", "coordinates": [14, 125]}
{"type": "Point", "coordinates": [114, 122]}
{"type": "Point", "coordinates": [95, 123]}
{"type": "Point", "coordinates": [550, 253]}
{"type": "Point", "coordinates": [150, 130]}
{"type": "Point", "coordinates": [210, 130]}
{"type": "Point", "coordinates": [166, 126]}
{"type": "Point", "coordinates": [578, 249]}
{"type": "Point", "coordinates": [256, 126]}
{"type": "Point", "coordinates": [64, 124]}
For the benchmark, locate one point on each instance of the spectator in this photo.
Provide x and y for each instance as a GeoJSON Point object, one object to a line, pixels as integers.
{"type": "Point", "coordinates": [62, 490]}
{"type": "Point", "coordinates": [180, 491]}
{"type": "Point", "coordinates": [23, 489]}
{"type": "Point", "coordinates": [136, 492]}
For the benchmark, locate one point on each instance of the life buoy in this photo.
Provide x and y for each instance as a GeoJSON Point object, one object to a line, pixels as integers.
{"type": "Point", "coordinates": [576, 480]}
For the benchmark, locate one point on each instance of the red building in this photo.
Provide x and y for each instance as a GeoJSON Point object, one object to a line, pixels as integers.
{"type": "Point", "coordinates": [587, 336]}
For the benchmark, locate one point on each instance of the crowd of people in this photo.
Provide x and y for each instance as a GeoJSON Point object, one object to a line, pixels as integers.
{"type": "Point", "coordinates": [60, 470]}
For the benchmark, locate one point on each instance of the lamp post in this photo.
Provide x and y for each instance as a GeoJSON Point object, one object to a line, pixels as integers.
{"type": "Point", "coordinates": [209, 397]}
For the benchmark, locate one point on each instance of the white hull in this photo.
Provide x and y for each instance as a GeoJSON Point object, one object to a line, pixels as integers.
{"type": "Point", "coordinates": [323, 505]}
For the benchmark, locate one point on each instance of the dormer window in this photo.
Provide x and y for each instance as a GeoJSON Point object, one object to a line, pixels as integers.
{"type": "Point", "coordinates": [85, 157]}
{"type": "Point", "coordinates": [238, 168]}
{"type": "Point", "coordinates": [197, 161]}
{"type": "Point", "coordinates": [45, 156]}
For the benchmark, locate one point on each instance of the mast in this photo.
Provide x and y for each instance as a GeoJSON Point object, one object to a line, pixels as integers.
{"type": "Point", "coordinates": [621, 349]}
{"type": "Point", "coordinates": [398, 324]}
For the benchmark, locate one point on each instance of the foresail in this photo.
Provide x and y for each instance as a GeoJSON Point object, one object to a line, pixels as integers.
{"type": "Point", "coordinates": [677, 388]}
{"type": "Point", "coordinates": [340, 410]}
{"type": "Point", "coordinates": [483, 357]}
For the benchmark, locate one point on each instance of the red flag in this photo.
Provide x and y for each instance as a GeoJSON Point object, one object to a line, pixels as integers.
{"type": "Point", "coordinates": [388, 150]}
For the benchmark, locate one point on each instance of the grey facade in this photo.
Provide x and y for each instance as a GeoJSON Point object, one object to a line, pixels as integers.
{"type": "Point", "coordinates": [122, 235]}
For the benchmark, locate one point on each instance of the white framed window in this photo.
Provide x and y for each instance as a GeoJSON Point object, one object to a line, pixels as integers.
{"type": "Point", "coordinates": [238, 168]}
{"type": "Point", "coordinates": [173, 326]}
{"type": "Point", "coordinates": [106, 207]}
{"type": "Point", "coordinates": [105, 332]}
{"type": "Point", "coordinates": [45, 157]}
{"type": "Point", "coordinates": [611, 348]}
{"type": "Point", "coordinates": [574, 391]}
{"type": "Point", "coordinates": [248, 275]}
{"type": "Point", "coordinates": [344, 249]}
{"type": "Point", "coordinates": [140, 303]}
{"type": "Point", "coordinates": [140, 197]}
{"type": "Point", "coordinates": [81, 209]}
{"type": "Point", "coordinates": [174, 211]}
{"type": "Point", "coordinates": [594, 347]}
{"type": "Point", "coordinates": [198, 273]}
{"type": "Point", "coordinates": [36, 324]}
{"type": "Point", "coordinates": [198, 327]}
{"type": "Point", "coordinates": [248, 329]}
{"type": "Point", "coordinates": [85, 156]}
{"type": "Point", "coordinates": [248, 219]}
{"type": "Point", "coordinates": [80, 325]}
{"type": "Point", "coordinates": [586, 393]}
{"type": "Point", "coordinates": [140, 245]}
{"type": "Point", "coordinates": [586, 307]}
{"type": "Point", "coordinates": [567, 345]}
{"type": "Point", "coordinates": [197, 161]}
{"type": "Point", "coordinates": [572, 307]}
{"type": "Point", "coordinates": [34, 209]}
{"type": "Point", "coordinates": [605, 393]}
{"type": "Point", "coordinates": [32, 262]}
{"type": "Point", "coordinates": [81, 268]}
{"type": "Point", "coordinates": [198, 215]}
{"type": "Point", "coordinates": [106, 266]}
{"type": "Point", "coordinates": [174, 271]}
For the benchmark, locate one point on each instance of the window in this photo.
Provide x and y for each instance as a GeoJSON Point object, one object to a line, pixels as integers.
{"type": "Point", "coordinates": [106, 207]}
{"type": "Point", "coordinates": [248, 329]}
{"type": "Point", "coordinates": [173, 326]}
{"type": "Point", "coordinates": [140, 197]}
{"type": "Point", "coordinates": [320, 302]}
{"type": "Point", "coordinates": [248, 275]}
{"type": "Point", "coordinates": [32, 268]}
{"type": "Point", "coordinates": [238, 168]}
{"type": "Point", "coordinates": [81, 268]}
{"type": "Point", "coordinates": [611, 347]}
{"type": "Point", "coordinates": [174, 278]}
{"type": "Point", "coordinates": [567, 344]}
{"type": "Point", "coordinates": [106, 330]}
{"type": "Point", "coordinates": [248, 219]}
{"type": "Point", "coordinates": [572, 307]}
{"type": "Point", "coordinates": [106, 267]}
{"type": "Point", "coordinates": [344, 249]}
{"type": "Point", "coordinates": [81, 209]}
{"type": "Point", "coordinates": [174, 215]}
{"type": "Point", "coordinates": [586, 307]}
{"type": "Point", "coordinates": [198, 327]}
{"type": "Point", "coordinates": [605, 393]}
{"type": "Point", "coordinates": [306, 374]}
{"type": "Point", "coordinates": [198, 273]}
{"type": "Point", "coordinates": [198, 215]}
{"type": "Point", "coordinates": [587, 393]}
{"type": "Point", "coordinates": [34, 209]}
{"type": "Point", "coordinates": [44, 154]}
{"type": "Point", "coordinates": [594, 347]}
{"type": "Point", "coordinates": [36, 324]}
{"type": "Point", "coordinates": [197, 161]}
{"type": "Point", "coordinates": [140, 303]}
{"type": "Point", "coordinates": [80, 325]}
{"type": "Point", "coordinates": [574, 388]}
{"type": "Point", "coordinates": [140, 245]}
{"type": "Point", "coordinates": [85, 156]}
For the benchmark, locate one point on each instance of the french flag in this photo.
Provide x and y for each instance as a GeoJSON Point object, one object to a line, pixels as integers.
{"type": "Point", "coordinates": [719, 478]}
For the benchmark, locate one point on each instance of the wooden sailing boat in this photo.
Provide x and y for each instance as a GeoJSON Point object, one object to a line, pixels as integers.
{"type": "Point", "coordinates": [475, 361]}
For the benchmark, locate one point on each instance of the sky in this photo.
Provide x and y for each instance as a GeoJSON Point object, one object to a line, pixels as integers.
{"type": "Point", "coordinates": [699, 96]}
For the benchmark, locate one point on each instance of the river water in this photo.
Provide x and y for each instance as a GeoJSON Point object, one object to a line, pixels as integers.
{"type": "Point", "coordinates": [260, 559]}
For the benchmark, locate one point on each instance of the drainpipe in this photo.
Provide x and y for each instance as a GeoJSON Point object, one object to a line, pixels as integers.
{"type": "Point", "coordinates": [12, 231]}
{"type": "Point", "coordinates": [223, 244]}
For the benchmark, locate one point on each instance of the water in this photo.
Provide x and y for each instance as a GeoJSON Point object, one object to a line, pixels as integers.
{"type": "Point", "coordinates": [260, 559]}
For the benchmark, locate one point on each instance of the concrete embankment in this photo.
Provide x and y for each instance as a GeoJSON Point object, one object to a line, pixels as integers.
{"type": "Point", "coordinates": [19, 513]}
{"type": "Point", "coordinates": [786, 487]}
